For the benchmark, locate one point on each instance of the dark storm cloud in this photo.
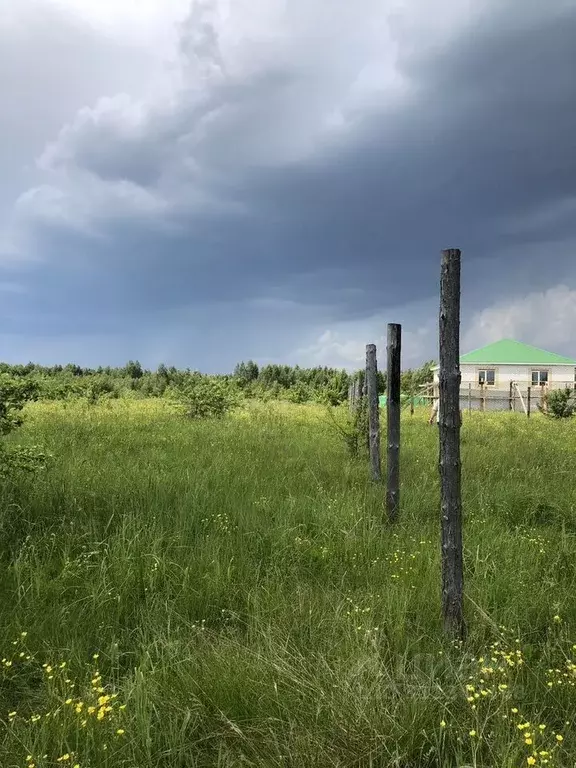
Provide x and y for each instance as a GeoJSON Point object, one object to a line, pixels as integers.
{"type": "Point", "coordinates": [486, 135]}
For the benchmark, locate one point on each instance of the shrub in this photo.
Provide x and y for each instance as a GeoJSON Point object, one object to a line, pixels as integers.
{"type": "Point", "coordinates": [100, 386]}
{"type": "Point", "coordinates": [560, 404]}
{"type": "Point", "coordinates": [299, 393]}
{"type": "Point", "coordinates": [350, 428]}
{"type": "Point", "coordinates": [14, 394]}
{"type": "Point", "coordinates": [204, 397]}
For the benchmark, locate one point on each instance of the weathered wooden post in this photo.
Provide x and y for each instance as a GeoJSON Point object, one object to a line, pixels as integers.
{"type": "Point", "coordinates": [351, 396]}
{"type": "Point", "coordinates": [360, 425]}
{"type": "Point", "coordinates": [449, 458]}
{"type": "Point", "coordinates": [470, 398]}
{"type": "Point", "coordinates": [483, 395]}
{"type": "Point", "coordinates": [373, 412]}
{"type": "Point", "coordinates": [510, 398]}
{"type": "Point", "coordinates": [393, 421]}
{"type": "Point", "coordinates": [529, 399]}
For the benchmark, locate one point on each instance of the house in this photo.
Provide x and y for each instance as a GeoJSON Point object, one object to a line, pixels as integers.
{"type": "Point", "coordinates": [499, 374]}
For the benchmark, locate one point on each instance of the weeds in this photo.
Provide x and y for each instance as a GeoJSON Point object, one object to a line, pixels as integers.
{"type": "Point", "coordinates": [247, 606]}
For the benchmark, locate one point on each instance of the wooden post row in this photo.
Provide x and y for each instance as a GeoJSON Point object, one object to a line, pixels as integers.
{"type": "Point", "coordinates": [449, 454]}
{"type": "Point", "coordinates": [373, 412]}
{"type": "Point", "coordinates": [393, 421]}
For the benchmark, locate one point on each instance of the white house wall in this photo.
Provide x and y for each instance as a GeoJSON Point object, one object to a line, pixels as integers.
{"type": "Point", "coordinates": [521, 374]}
{"type": "Point", "coordinates": [497, 397]}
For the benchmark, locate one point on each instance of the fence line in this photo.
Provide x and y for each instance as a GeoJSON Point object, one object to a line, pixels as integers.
{"type": "Point", "coordinates": [373, 412]}
{"type": "Point", "coordinates": [393, 421]}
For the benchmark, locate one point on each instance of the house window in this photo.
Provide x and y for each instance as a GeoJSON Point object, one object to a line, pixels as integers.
{"type": "Point", "coordinates": [539, 378]}
{"type": "Point", "coordinates": [487, 376]}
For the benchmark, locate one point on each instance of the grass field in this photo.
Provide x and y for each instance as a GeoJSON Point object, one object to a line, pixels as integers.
{"type": "Point", "coordinates": [181, 595]}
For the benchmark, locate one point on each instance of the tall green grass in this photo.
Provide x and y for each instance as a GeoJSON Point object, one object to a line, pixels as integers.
{"type": "Point", "coordinates": [248, 604]}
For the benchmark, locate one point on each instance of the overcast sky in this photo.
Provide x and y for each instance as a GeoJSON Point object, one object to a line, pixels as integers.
{"type": "Point", "coordinates": [197, 182]}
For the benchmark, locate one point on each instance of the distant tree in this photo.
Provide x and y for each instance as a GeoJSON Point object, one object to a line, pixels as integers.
{"type": "Point", "coordinates": [73, 369]}
{"type": "Point", "coordinates": [245, 373]}
{"type": "Point", "coordinates": [133, 369]}
{"type": "Point", "coordinates": [413, 379]}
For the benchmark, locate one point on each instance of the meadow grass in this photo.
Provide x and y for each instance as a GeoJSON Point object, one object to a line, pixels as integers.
{"type": "Point", "coordinates": [179, 594]}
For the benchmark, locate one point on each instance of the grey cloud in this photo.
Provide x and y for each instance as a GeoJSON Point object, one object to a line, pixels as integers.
{"type": "Point", "coordinates": [51, 66]}
{"type": "Point", "coordinates": [346, 223]}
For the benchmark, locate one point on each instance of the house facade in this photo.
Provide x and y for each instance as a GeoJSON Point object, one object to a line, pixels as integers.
{"type": "Point", "coordinates": [502, 375]}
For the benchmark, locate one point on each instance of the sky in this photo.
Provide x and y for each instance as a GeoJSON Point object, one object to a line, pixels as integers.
{"type": "Point", "coordinates": [199, 182]}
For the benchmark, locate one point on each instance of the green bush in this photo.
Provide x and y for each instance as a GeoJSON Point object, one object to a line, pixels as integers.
{"type": "Point", "coordinates": [205, 397]}
{"type": "Point", "coordinates": [14, 394]}
{"type": "Point", "coordinates": [299, 393]}
{"type": "Point", "coordinates": [560, 404]}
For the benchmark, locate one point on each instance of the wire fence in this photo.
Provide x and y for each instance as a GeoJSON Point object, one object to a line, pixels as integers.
{"type": "Point", "coordinates": [521, 398]}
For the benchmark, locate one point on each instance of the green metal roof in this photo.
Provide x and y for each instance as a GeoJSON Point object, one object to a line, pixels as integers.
{"type": "Point", "coordinates": [512, 352]}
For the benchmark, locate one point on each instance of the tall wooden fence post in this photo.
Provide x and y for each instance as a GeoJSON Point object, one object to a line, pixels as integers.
{"type": "Point", "coordinates": [393, 421]}
{"type": "Point", "coordinates": [360, 411]}
{"type": "Point", "coordinates": [449, 458]}
{"type": "Point", "coordinates": [470, 398]}
{"type": "Point", "coordinates": [373, 412]}
{"type": "Point", "coordinates": [529, 399]}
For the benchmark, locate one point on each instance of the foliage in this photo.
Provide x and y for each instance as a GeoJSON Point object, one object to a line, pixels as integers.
{"type": "Point", "coordinates": [350, 430]}
{"type": "Point", "coordinates": [560, 404]}
{"type": "Point", "coordinates": [412, 380]}
{"type": "Point", "coordinates": [319, 384]}
{"type": "Point", "coordinates": [14, 394]}
{"type": "Point", "coordinates": [299, 393]}
{"type": "Point", "coordinates": [250, 606]}
{"type": "Point", "coordinates": [246, 372]}
{"type": "Point", "coordinates": [205, 397]}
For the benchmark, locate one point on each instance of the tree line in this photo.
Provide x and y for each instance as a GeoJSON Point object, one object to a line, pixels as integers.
{"type": "Point", "coordinates": [250, 380]}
